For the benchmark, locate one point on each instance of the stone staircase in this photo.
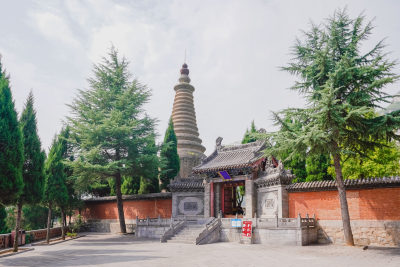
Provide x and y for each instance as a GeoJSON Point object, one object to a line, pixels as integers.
{"type": "Point", "coordinates": [188, 234]}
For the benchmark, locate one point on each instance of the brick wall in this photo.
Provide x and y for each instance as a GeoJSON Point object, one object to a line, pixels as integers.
{"type": "Point", "coordinates": [151, 208]}
{"type": "Point", "coordinates": [6, 240]}
{"type": "Point", "coordinates": [374, 214]}
{"type": "Point", "coordinates": [364, 204]}
{"type": "Point", "coordinates": [41, 233]}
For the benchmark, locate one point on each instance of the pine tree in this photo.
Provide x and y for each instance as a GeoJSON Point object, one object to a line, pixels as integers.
{"type": "Point", "coordinates": [109, 127]}
{"type": "Point", "coordinates": [32, 172]}
{"type": "Point", "coordinates": [342, 88]}
{"type": "Point", "coordinates": [169, 156]}
{"type": "Point", "coordinates": [11, 145]}
{"type": "Point", "coordinates": [55, 191]}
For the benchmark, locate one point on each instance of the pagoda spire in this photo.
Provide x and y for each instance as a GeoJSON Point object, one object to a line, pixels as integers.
{"type": "Point", "coordinates": [190, 149]}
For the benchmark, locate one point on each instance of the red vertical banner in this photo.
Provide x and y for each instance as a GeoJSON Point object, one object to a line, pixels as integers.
{"type": "Point", "coordinates": [246, 228]}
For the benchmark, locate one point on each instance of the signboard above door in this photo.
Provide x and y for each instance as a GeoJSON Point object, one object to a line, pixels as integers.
{"type": "Point", "coordinates": [225, 175]}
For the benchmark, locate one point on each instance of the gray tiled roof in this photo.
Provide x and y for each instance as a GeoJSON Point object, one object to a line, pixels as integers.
{"type": "Point", "coordinates": [131, 197]}
{"type": "Point", "coordinates": [349, 184]}
{"type": "Point", "coordinates": [186, 184]}
{"type": "Point", "coordinates": [231, 157]}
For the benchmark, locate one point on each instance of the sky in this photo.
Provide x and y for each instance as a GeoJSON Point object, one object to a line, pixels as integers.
{"type": "Point", "coordinates": [234, 50]}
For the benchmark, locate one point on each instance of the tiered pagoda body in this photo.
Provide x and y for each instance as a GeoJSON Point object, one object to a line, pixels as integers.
{"type": "Point", "coordinates": [190, 149]}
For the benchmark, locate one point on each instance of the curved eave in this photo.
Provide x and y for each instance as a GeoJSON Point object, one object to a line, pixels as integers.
{"type": "Point", "coordinates": [225, 167]}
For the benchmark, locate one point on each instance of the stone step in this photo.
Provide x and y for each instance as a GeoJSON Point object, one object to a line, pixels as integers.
{"type": "Point", "coordinates": [183, 238]}
{"type": "Point", "coordinates": [187, 234]}
{"type": "Point", "coordinates": [181, 241]}
{"type": "Point", "coordinates": [190, 231]}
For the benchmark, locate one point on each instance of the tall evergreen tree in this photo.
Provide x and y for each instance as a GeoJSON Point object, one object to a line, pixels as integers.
{"type": "Point", "coordinates": [55, 191]}
{"type": "Point", "coordinates": [32, 171]}
{"type": "Point", "coordinates": [11, 149]}
{"type": "Point", "coordinates": [3, 216]}
{"type": "Point", "coordinates": [249, 136]}
{"type": "Point", "coordinates": [11, 145]}
{"type": "Point", "coordinates": [74, 202]}
{"type": "Point", "coordinates": [149, 182]}
{"type": "Point", "coordinates": [342, 88]}
{"type": "Point", "coordinates": [169, 156]}
{"type": "Point", "coordinates": [109, 127]}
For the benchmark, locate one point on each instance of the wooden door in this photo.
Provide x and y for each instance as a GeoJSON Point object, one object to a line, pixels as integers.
{"type": "Point", "coordinates": [228, 200]}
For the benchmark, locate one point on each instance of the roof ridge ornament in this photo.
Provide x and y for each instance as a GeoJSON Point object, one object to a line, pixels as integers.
{"type": "Point", "coordinates": [218, 142]}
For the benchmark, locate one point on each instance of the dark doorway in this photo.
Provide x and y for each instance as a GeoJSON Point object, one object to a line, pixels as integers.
{"type": "Point", "coordinates": [229, 197]}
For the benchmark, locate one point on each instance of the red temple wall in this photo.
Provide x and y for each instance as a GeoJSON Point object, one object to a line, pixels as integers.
{"type": "Point", "coordinates": [364, 204]}
{"type": "Point", "coordinates": [142, 208]}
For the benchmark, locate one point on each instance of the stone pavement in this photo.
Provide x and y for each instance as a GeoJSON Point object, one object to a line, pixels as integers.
{"type": "Point", "coordinates": [117, 250]}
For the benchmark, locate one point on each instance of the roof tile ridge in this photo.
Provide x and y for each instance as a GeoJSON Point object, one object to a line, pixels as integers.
{"type": "Point", "coordinates": [208, 159]}
{"type": "Point", "coordinates": [242, 146]}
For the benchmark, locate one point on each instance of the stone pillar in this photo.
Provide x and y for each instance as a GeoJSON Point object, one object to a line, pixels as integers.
{"type": "Point", "coordinates": [250, 198]}
{"type": "Point", "coordinates": [207, 212]}
{"type": "Point", "coordinates": [217, 199]}
{"type": "Point", "coordinates": [174, 205]}
{"type": "Point", "coordinates": [283, 212]}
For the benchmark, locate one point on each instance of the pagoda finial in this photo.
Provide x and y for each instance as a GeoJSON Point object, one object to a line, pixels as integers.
{"type": "Point", "coordinates": [184, 69]}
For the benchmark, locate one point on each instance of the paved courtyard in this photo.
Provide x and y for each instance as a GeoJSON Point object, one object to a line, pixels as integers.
{"type": "Point", "coordinates": [117, 250]}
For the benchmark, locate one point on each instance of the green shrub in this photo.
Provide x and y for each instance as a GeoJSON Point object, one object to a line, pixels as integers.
{"type": "Point", "coordinates": [71, 234]}
{"type": "Point", "coordinates": [77, 225]}
{"type": "Point", "coordinates": [28, 239]}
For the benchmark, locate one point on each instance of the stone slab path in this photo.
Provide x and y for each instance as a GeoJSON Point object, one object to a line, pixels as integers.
{"type": "Point", "coordinates": [117, 250]}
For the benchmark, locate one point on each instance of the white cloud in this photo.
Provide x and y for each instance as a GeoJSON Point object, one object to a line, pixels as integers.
{"type": "Point", "coordinates": [54, 27]}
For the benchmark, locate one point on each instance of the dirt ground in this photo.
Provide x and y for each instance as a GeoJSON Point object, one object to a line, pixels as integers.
{"type": "Point", "coordinates": [119, 250]}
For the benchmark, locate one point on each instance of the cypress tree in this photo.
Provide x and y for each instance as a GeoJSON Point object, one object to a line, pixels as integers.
{"type": "Point", "coordinates": [170, 162]}
{"type": "Point", "coordinates": [32, 171]}
{"type": "Point", "coordinates": [11, 150]}
{"type": "Point", "coordinates": [73, 201]}
{"type": "Point", "coordinates": [11, 145]}
{"type": "Point", "coordinates": [55, 191]}
{"type": "Point", "coordinates": [3, 216]}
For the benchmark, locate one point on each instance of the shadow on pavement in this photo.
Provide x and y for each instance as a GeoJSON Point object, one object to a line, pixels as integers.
{"type": "Point", "coordinates": [385, 250]}
{"type": "Point", "coordinates": [79, 257]}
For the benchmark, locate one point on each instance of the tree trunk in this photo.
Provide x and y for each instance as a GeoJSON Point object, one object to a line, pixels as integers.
{"type": "Point", "coordinates": [48, 225]}
{"type": "Point", "coordinates": [17, 226]}
{"type": "Point", "coordinates": [120, 206]}
{"type": "Point", "coordinates": [348, 234]}
{"type": "Point", "coordinates": [62, 225]}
